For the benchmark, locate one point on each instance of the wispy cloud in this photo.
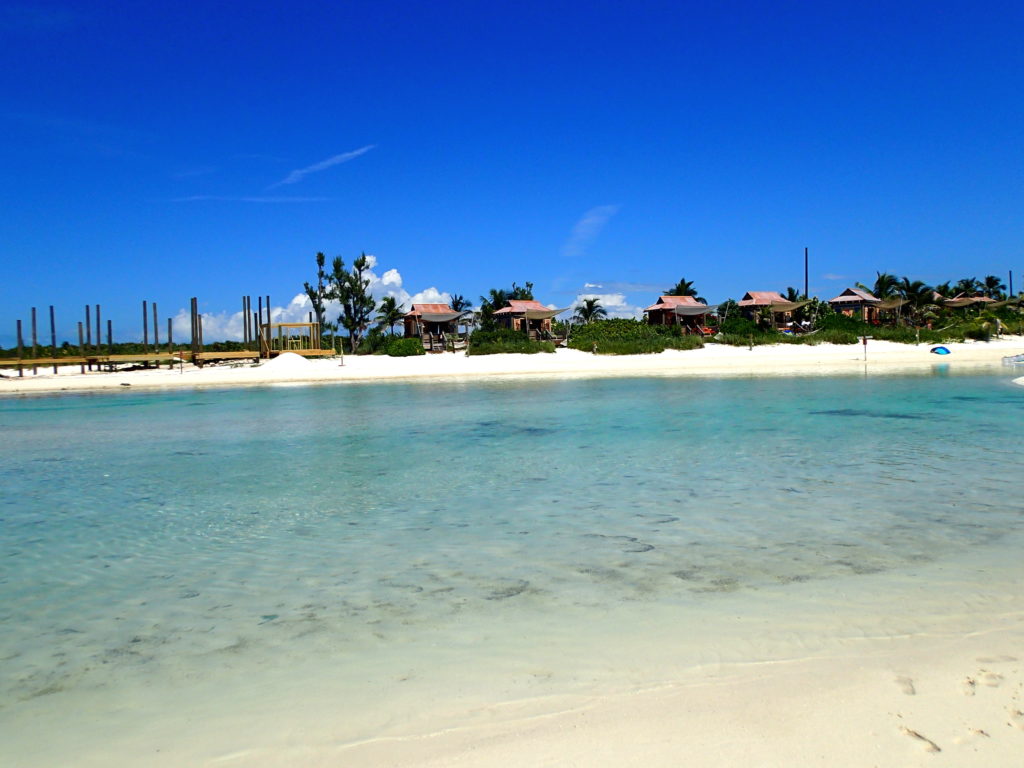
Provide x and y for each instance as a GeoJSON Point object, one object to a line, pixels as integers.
{"type": "Point", "coordinates": [323, 165]}
{"type": "Point", "coordinates": [831, 276]}
{"type": "Point", "coordinates": [620, 286]}
{"type": "Point", "coordinates": [247, 199]}
{"type": "Point", "coordinates": [587, 228]}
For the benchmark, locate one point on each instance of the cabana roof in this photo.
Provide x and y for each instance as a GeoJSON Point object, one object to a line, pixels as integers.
{"type": "Point", "coordinates": [532, 310]}
{"type": "Point", "coordinates": [671, 302]}
{"type": "Point", "coordinates": [433, 313]}
{"type": "Point", "coordinates": [854, 296]}
{"type": "Point", "coordinates": [762, 299]}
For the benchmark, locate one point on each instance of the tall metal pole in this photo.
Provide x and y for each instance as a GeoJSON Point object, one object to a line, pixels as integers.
{"type": "Point", "coordinates": [805, 273]}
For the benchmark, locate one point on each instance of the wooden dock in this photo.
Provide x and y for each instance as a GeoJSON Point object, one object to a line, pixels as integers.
{"type": "Point", "coordinates": [262, 339]}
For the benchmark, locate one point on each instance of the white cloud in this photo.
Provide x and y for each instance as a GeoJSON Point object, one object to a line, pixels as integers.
{"type": "Point", "coordinates": [588, 228]}
{"type": "Point", "coordinates": [830, 276]}
{"type": "Point", "coordinates": [225, 325]}
{"type": "Point", "coordinates": [301, 173]}
{"type": "Point", "coordinates": [615, 304]}
{"type": "Point", "coordinates": [430, 296]}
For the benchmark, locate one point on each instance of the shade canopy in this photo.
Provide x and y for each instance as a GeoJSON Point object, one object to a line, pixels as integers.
{"type": "Point", "coordinates": [538, 314]}
{"type": "Point", "coordinates": [440, 317]}
{"type": "Point", "coordinates": [684, 310]}
{"type": "Point", "coordinates": [891, 303]}
{"type": "Point", "coordinates": [788, 306]}
{"type": "Point", "coordinates": [967, 301]}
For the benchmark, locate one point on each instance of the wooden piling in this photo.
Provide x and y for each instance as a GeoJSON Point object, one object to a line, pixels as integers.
{"type": "Point", "coordinates": [21, 350]}
{"type": "Point", "coordinates": [145, 328]}
{"type": "Point", "coordinates": [156, 334]}
{"type": "Point", "coordinates": [195, 329]}
{"type": "Point", "coordinates": [53, 338]}
{"type": "Point", "coordinates": [81, 346]}
{"type": "Point", "coordinates": [99, 335]}
{"type": "Point", "coordinates": [88, 331]}
{"type": "Point", "coordinates": [35, 344]}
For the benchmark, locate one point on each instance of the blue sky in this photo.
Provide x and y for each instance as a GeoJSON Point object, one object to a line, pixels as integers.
{"type": "Point", "coordinates": [158, 150]}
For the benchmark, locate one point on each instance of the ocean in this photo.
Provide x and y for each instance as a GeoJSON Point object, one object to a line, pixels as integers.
{"type": "Point", "coordinates": [190, 575]}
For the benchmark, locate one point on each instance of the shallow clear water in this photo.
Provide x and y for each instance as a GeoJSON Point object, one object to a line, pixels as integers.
{"type": "Point", "coordinates": [371, 532]}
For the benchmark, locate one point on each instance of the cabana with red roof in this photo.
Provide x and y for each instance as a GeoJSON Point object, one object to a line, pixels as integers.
{"type": "Point", "coordinates": [782, 309]}
{"type": "Point", "coordinates": [527, 315]}
{"type": "Point", "coordinates": [685, 311]}
{"type": "Point", "coordinates": [429, 321]}
{"type": "Point", "coordinates": [854, 300]}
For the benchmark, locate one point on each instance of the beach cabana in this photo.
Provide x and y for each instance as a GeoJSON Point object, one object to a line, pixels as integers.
{"type": "Point", "coordinates": [854, 300]}
{"type": "Point", "coordinates": [530, 316]}
{"type": "Point", "coordinates": [433, 323]}
{"type": "Point", "coordinates": [782, 309]}
{"type": "Point", "coordinates": [684, 311]}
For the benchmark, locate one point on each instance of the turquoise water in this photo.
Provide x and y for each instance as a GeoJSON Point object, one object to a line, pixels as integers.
{"type": "Point", "coordinates": [269, 541]}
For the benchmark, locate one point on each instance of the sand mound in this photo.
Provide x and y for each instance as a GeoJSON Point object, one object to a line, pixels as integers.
{"type": "Point", "coordinates": [288, 361]}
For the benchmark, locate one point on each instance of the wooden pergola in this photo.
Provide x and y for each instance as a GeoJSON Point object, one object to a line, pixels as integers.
{"type": "Point", "coordinates": [300, 338]}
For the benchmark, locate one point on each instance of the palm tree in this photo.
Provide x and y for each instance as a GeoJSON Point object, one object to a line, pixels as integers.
{"type": "Point", "coordinates": [685, 288]}
{"type": "Point", "coordinates": [969, 286]}
{"type": "Point", "coordinates": [793, 294]}
{"type": "Point", "coordinates": [917, 294]}
{"type": "Point", "coordinates": [993, 286]}
{"type": "Point", "coordinates": [590, 309]}
{"type": "Point", "coordinates": [945, 290]}
{"type": "Point", "coordinates": [389, 313]}
{"type": "Point", "coordinates": [459, 302]}
{"type": "Point", "coordinates": [885, 287]}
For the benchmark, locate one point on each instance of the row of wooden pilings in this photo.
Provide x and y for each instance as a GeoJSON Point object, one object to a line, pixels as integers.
{"type": "Point", "coordinates": [90, 336]}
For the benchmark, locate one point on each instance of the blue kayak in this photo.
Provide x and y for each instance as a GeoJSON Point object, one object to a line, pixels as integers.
{"type": "Point", "coordinates": [939, 351]}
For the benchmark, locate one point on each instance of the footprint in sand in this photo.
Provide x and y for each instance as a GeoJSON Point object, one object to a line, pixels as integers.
{"type": "Point", "coordinates": [991, 679]}
{"type": "Point", "coordinates": [906, 685]}
{"type": "Point", "coordinates": [1016, 718]}
{"type": "Point", "coordinates": [995, 659]}
{"type": "Point", "coordinates": [968, 686]}
{"type": "Point", "coordinates": [929, 745]}
{"type": "Point", "coordinates": [972, 734]}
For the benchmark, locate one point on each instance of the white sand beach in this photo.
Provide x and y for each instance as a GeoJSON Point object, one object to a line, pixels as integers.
{"type": "Point", "coordinates": [880, 357]}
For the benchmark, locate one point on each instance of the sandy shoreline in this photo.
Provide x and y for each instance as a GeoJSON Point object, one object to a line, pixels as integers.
{"type": "Point", "coordinates": [713, 360]}
{"type": "Point", "coordinates": [899, 702]}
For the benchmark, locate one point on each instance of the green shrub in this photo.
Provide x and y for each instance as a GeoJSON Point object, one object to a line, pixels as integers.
{"type": "Point", "coordinates": [502, 341]}
{"type": "Point", "coordinates": [617, 329]}
{"type": "Point", "coordinates": [625, 336]}
{"type": "Point", "coordinates": [840, 322]}
{"type": "Point", "coordinates": [983, 333]}
{"type": "Point", "coordinates": [684, 342]}
{"type": "Point", "coordinates": [738, 326]}
{"type": "Point", "coordinates": [397, 347]}
{"type": "Point", "coordinates": [821, 337]}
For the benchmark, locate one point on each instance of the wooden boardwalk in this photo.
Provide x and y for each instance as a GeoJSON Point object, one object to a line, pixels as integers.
{"type": "Point", "coordinates": [109, 361]}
